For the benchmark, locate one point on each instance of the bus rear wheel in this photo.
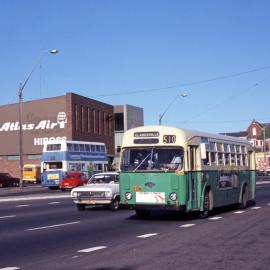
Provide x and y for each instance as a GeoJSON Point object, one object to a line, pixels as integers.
{"type": "Point", "coordinates": [143, 214]}
{"type": "Point", "coordinates": [244, 200]}
{"type": "Point", "coordinates": [207, 204]}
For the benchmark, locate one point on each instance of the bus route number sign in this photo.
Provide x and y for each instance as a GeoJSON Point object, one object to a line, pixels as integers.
{"type": "Point", "coordinates": [169, 139]}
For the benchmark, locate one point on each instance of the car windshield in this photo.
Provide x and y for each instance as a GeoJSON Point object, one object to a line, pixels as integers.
{"type": "Point", "coordinates": [152, 159]}
{"type": "Point", "coordinates": [103, 179]}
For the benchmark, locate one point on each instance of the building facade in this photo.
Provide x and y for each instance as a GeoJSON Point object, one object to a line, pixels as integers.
{"type": "Point", "coordinates": [67, 117]}
{"type": "Point", "coordinates": [125, 118]}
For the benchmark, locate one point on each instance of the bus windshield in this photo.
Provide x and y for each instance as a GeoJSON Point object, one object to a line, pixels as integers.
{"type": "Point", "coordinates": [152, 159]}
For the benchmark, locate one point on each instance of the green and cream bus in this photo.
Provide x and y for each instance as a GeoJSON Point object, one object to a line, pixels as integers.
{"type": "Point", "coordinates": [177, 169]}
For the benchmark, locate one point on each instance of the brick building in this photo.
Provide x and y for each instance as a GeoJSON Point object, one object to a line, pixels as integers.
{"type": "Point", "coordinates": [71, 117]}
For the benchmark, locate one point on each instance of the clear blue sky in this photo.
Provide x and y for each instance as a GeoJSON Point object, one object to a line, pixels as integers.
{"type": "Point", "coordinates": [113, 47]}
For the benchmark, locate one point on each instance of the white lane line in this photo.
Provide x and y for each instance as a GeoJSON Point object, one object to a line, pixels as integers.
{"type": "Point", "coordinates": [53, 226]}
{"type": "Point", "coordinates": [268, 204]}
{"type": "Point", "coordinates": [22, 205]}
{"type": "Point", "coordinates": [3, 217]}
{"type": "Point", "coordinates": [255, 207]}
{"type": "Point", "coordinates": [31, 198]}
{"type": "Point", "coordinates": [87, 250]}
{"type": "Point", "coordinates": [10, 268]}
{"type": "Point", "coordinates": [214, 218]}
{"type": "Point", "coordinates": [187, 225]}
{"type": "Point", "coordinates": [54, 203]}
{"type": "Point", "coordinates": [262, 182]}
{"type": "Point", "coordinates": [239, 212]}
{"type": "Point", "coordinates": [146, 235]}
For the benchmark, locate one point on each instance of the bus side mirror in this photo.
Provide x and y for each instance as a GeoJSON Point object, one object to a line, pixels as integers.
{"type": "Point", "coordinates": [203, 151]}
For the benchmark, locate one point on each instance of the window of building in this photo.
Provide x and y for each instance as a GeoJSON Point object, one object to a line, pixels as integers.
{"type": "Point", "coordinates": [34, 157]}
{"type": "Point", "coordinates": [13, 157]}
{"type": "Point", "coordinates": [82, 119]}
{"type": "Point", "coordinates": [119, 121]}
{"type": "Point", "coordinates": [76, 117]}
{"type": "Point", "coordinates": [254, 131]}
{"type": "Point", "coordinates": [94, 121]}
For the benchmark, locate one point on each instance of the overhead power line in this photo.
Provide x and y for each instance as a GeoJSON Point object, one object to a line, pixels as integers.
{"type": "Point", "coordinates": [183, 84]}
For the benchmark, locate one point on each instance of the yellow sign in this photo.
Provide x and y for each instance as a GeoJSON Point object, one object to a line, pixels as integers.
{"type": "Point", "coordinates": [179, 172]}
{"type": "Point", "coordinates": [137, 188]}
{"type": "Point", "coordinates": [53, 176]}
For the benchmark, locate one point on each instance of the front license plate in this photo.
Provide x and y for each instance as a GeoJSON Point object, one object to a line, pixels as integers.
{"type": "Point", "coordinates": [89, 202]}
{"type": "Point", "coordinates": [53, 176]}
{"type": "Point", "coordinates": [150, 197]}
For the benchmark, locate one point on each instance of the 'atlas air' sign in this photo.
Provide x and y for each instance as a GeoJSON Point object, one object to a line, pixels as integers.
{"type": "Point", "coordinates": [42, 125]}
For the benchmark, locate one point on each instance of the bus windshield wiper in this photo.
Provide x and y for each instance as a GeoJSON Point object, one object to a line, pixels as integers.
{"type": "Point", "coordinates": [141, 162]}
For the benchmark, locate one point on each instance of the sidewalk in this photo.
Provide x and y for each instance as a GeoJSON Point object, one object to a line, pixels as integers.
{"type": "Point", "coordinates": [30, 192]}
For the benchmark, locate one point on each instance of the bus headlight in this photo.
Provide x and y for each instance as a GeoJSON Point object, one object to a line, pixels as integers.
{"type": "Point", "coordinates": [128, 196]}
{"type": "Point", "coordinates": [173, 196]}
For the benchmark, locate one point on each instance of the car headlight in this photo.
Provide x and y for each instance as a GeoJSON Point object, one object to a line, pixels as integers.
{"type": "Point", "coordinates": [108, 194]}
{"type": "Point", "coordinates": [128, 195]}
{"type": "Point", "coordinates": [74, 194]}
{"type": "Point", "coordinates": [173, 196]}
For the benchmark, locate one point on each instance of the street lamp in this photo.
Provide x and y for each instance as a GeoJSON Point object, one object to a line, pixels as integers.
{"type": "Point", "coordinates": [20, 92]}
{"type": "Point", "coordinates": [183, 95]}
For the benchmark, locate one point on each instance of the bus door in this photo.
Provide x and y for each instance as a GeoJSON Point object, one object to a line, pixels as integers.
{"type": "Point", "coordinates": [192, 178]}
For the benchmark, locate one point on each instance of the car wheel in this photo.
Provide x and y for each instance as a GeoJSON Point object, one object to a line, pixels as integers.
{"type": "Point", "coordinates": [115, 204]}
{"type": "Point", "coordinates": [80, 207]}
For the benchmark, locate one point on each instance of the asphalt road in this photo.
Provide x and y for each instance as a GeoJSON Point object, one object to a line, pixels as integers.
{"type": "Point", "coordinates": [51, 234]}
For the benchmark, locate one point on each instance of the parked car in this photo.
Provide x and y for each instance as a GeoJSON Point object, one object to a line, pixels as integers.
{"type": "Point", "coordinates": [102, 189]}
{"type": "Point", "coordinates": [73, 179]}
{"type": "Point", "coordinates": [6, 180]}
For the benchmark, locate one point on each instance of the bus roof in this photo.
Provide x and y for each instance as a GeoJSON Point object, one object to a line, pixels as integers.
{"type": "Point", "coordinates": [183, 136]}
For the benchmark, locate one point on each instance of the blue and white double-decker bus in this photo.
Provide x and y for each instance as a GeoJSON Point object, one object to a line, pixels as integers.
{"type": "Point", "coordinates": [60, 157]}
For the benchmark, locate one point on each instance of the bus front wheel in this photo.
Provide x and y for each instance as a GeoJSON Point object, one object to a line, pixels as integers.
{"type": "Point", "coordinates": [207, 204]}
{"type": "Point", "coordinates": [143, 214]}
{"type": "Point", "coordinates": [244, 200]}
{"type": "Point", "coordinates": [115, 204]}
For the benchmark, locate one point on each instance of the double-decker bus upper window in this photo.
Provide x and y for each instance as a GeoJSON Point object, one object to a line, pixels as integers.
{"type": "Point", "coordinates": [139, 159]}
{"type": "Point", "coordinates": [76, 147]}
{"type": "Point", "coordinates": [87, 148]}
{"type": "Point", "coordinates": [70, 147]}
{"type": "Point", "coordinates": [53, 147]}
{"type": "Point", "coordinates": [81, 147]}
{"type": "Point", "coordinates": [102, 148]}
{"type": "Point", "coordinates": [93, 148]}
{"type": "Point", "coordinates": [98, 148]}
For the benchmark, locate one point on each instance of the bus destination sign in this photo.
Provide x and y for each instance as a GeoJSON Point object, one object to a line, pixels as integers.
{"type": "Point", "coordinates": [146, 134]}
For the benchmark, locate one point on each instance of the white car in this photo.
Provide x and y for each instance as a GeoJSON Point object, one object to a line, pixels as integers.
{"type": "Point", "coordinates": [102, 189]}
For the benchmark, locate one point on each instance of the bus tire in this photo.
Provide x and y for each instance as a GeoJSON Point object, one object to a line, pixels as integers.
{"type": "Point", "coordinates": [207, 204]}
{"type": "Point", "coordinates": [80, 207]}
{"type": "Point", "coordinates": [244, 198]}
{"type": "Point", "coordinates": [115, 204]}
{"type": "Point", "coordinates": [143, 214]}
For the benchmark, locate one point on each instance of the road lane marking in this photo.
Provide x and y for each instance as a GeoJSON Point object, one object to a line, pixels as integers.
{"type": "Point", "coordinates": [22, 205]}
{"type": "Point", "coordinates": [239, 212]}
{"type": "Point", "coordinates": [255, 207]}
{"type": "Point", "coordinates": [87, 250]}
{"type": "Point", "coordinates": [54, 203]}
{"type": "Point", "coordinates": [262, 182]}
{"type": "Point", "coordinates": [53, 226]}
{"type": "Point", "coordinates": [214, 218]}
{"type": "Point", "coordinates": [10, 268]}
{"type": "Point", "coordinates": [41, 197]}
{"type": "Point", "coordinates": [3, 217]}
{"type": "Point", "coordinates": [187, 225]}
{"type": "Point", "coordinates": [268, 204]}
{"type": "Point", "coordinates": [146, 235]}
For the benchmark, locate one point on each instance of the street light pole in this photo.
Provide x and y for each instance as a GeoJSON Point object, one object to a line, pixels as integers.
{"type": "Point", "coordinates": [20, 95]}
{"type": "Point", "coordinates": [175, 98]}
